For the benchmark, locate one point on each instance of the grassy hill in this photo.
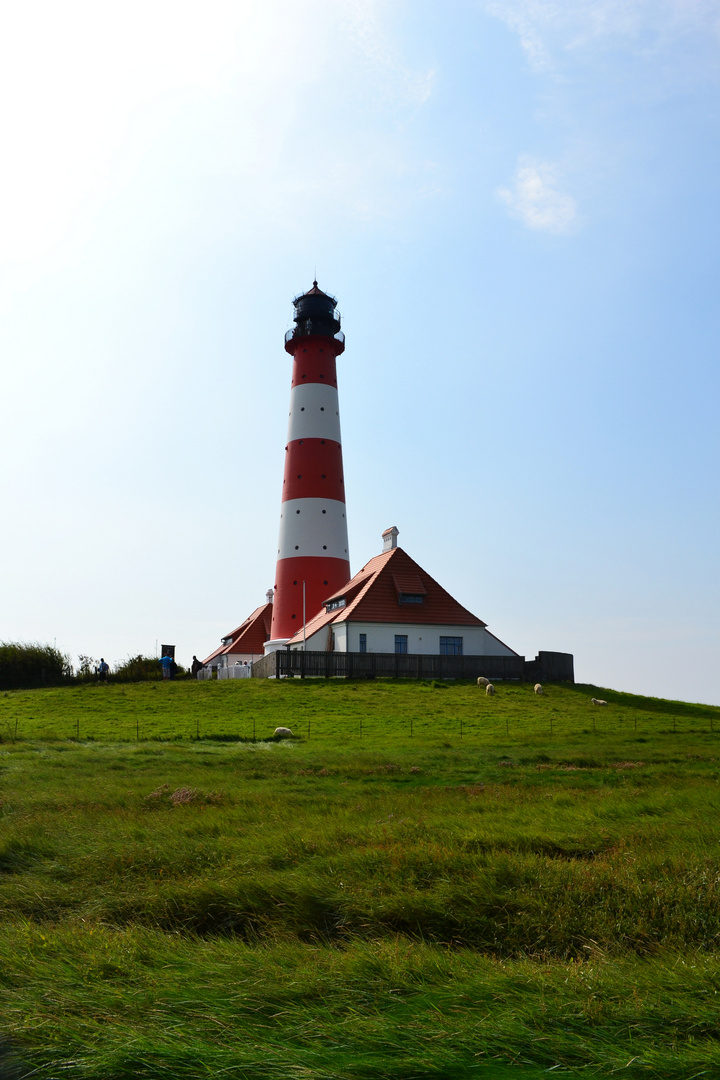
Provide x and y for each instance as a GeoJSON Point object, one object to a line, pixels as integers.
{"type": "Point", "coordinates": [425, 883]}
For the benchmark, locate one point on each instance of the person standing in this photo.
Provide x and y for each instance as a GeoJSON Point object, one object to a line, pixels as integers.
{"type": "Point", "coordinates": [195, 667]}
{"type": "Point", "coordinates": [166, 662]}
{"type": "Point", "coordinates": [103, 670]}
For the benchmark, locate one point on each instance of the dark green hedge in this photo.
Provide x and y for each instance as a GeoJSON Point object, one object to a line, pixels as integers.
{"type": "Point", "coordinates": [25, 665]}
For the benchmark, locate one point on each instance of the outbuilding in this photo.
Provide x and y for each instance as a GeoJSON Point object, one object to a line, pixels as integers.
{"type": "Point", "coordinates": [243, 645]}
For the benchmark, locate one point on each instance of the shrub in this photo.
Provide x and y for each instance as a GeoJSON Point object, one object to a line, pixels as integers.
{"type": "Point", "coordinates": [24, 666]}
{"type": "Point", "coordinates": [137, 669]}
{"type": "Point", "coordinates": [142, 669]}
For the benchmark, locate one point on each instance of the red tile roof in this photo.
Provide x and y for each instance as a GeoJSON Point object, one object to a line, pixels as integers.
{"type": "Point", "coordinates": [212, 655]}
{"type": "Point", "coordinates": [372, 596]}
{"type": "Point", "coordinates": [250, 636]}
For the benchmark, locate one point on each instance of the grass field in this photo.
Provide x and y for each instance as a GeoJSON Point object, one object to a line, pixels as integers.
{"type": "Point", "coordinates": [425, 883]}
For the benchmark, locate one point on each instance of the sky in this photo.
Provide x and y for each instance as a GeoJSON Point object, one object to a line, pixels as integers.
{"type": "Point", "coordinates": [515, 203]}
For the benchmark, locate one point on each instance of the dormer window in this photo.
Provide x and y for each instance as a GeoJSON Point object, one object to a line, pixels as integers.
{"type": "Point", "coordinates": [409, 588]}
{"type": "Point", "coordinates": [333, 605]}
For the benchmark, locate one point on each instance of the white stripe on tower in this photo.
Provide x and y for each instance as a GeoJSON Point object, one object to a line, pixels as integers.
{"type": "Point", "coordinates": [313, 543]}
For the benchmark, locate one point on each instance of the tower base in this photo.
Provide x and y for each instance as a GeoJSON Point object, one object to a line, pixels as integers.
{"type": "Point", "coordinates": [274, 644]}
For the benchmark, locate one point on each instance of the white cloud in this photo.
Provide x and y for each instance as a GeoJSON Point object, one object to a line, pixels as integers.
{"type": "Point", "coordinates": [535, 200]}
{"type": "Point", "coordinates": [548, 30]}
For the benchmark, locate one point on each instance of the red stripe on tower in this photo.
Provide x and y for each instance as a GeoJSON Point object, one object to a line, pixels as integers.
{"type": "Point", "coordinates": [313, 543]}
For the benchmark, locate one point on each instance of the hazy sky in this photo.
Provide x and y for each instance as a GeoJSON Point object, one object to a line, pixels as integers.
{"type": "Point", "coordinates": [516, 204]}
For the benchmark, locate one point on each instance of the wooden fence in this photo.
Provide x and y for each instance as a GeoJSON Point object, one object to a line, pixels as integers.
{"type": "Point", "coordinates": [283, 664]}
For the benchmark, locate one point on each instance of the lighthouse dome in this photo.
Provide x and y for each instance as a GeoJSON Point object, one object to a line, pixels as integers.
{"type": "Point", "coordinates": [315, 313]}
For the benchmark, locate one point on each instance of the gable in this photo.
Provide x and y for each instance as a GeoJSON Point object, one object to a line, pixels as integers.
{"type": "Point", "coordinates": [380, 592]}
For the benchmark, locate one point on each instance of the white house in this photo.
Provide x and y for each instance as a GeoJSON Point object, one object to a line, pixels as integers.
{"type": "Point", "coordinates": [393, 606]}
{"type": "Point", "coordinates": [244, 645]}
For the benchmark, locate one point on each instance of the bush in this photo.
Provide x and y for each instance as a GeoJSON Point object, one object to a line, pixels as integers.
{"type": "Point", "coordinates": [24, 666]}
{"type": "Point", "coordinates": [137, 669]}
{"type": "Point", "coordinates": [142, 669]}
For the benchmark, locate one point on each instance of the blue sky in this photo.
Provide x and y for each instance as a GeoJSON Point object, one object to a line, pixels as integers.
{"type": "Point", "coordinates": [516, 206]}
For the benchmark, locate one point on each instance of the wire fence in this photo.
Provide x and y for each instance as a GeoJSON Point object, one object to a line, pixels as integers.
{"type": "Point", "coordinates": [467, 727]}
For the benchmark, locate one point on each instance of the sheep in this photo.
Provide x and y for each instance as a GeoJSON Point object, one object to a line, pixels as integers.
{"type": "Point", "coordinates": [283, 733]}
{"type": "Point", "coordinates": [490, 689]}
{"type": "Point", "coordinates": [482, 681]}
{"type": "Point", "coordinates": [598, 701]}
{"type": "Point", "coordinates": [538, 688]}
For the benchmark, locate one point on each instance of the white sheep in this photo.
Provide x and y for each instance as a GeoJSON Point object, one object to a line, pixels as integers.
{"type": "Point", "coordinates": [490, 689]}
{"type": "Point", "coordinates": [482, 681]}
{"type": "Point", "coordinates": [283, 733]}
{"type": "Point", "coordinates": [538, 688]}
{"type": "Point", "coordinates": [598, 701]}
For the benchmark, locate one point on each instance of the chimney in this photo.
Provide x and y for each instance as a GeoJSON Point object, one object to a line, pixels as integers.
{"type": "Point", "coordinates": [389, 538]}
{"type": "Point", "coordinates": [269, 596]}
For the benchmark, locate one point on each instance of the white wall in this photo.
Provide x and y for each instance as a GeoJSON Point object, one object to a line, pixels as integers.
{"type": "Point", "coordinates": [315, 642]}
{"type": "Point", "coordinates": [340, 637]}
{"type": "Point", "coordinates": [423, 640]}
{"type": "Point", "coordinates": [229, 659]}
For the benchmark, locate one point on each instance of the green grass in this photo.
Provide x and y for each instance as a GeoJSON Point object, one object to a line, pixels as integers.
{"type": "Point", "coordinates": [523, 884]}
{"type": "Point", "coordinates": [334, 709]}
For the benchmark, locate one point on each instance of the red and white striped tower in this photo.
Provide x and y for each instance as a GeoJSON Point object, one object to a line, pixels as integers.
{"type": "Point", "coordinates": [313, 560]}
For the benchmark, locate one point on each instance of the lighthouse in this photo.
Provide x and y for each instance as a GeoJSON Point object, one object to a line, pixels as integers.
{"type": "Point", "coordinates": [312, 554]}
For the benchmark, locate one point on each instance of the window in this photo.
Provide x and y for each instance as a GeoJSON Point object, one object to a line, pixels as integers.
{"type": "Point", "coordinates": [451, 646]}
{"type": "Point", "coordinates": [410, 598]}
{"type": "Point", "coordinates": [362, 647]}
{"type": "Point", "coordinates": [333, 605]}
{"type": "Point", "coordinates": [401, 643]}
